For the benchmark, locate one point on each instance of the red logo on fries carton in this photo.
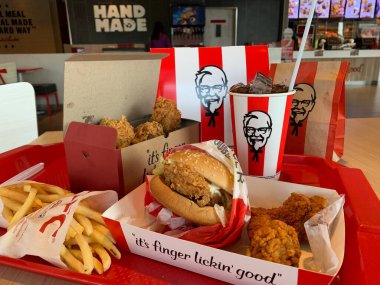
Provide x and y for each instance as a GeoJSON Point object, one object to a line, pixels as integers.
{"type": "Point", "coordinates": [60, 218]}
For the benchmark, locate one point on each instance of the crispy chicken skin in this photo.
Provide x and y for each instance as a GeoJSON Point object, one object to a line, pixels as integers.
{"type": "Point", "coordinates": [125, 133]}
{"type": "Point", "coordinates": [273, 240]}
{"type": "Point", "coordinates": [166, 113]}
{"type": "Point", "coordinates": [146, 131]}
{"type": "Point", "coordinates": [187, 182]}
{"type": "Point", "coordinates": [295, 211]}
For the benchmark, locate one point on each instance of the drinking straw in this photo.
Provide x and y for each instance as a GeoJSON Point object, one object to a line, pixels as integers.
{"type": "Point", "coordinates": [303, 42]}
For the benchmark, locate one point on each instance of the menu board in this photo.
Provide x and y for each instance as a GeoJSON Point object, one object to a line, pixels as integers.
{"type": "Point", "coordinates": [337, 8]}
{"type": "Point", "coordinates": [367, 9]}
{"type": "Point", "coordinates": [378, 9]}
{"type": "Point", "coordinates": [293, 9]}
{"type": "Point", "coordinates": [352, 9]}
{"type": "Point", "coordinates": [305, 6]}
{"type": "Point", "coordinates": [322, 9]}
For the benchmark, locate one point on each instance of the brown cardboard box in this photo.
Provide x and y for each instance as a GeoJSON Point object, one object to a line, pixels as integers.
{"type": "Point", "coordinates": [111, 85]}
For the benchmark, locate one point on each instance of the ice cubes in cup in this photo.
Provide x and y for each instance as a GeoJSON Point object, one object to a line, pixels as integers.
{"type": "Point", "coordinates": [261, 84]}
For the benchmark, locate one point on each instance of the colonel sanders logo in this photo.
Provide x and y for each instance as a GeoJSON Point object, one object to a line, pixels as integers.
{"type": "Point", "coordinates": [302, 104]}
{"type": "Point", "coordinates": [211, 88]}
{"type": "Point", "coordinates": [257, 130]}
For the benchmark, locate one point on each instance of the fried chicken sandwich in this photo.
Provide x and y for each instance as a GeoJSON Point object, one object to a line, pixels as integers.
{"type": "Point", "coordinates": [194, 185]}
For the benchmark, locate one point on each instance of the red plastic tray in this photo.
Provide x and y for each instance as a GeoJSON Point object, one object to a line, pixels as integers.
{"type": "Point", "coordinates": [362, 210]}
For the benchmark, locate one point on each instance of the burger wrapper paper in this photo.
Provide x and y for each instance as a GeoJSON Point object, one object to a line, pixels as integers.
{"type": "Point", "coordinates": [43, 232]}
{"type": "Point", "coordinates": [230, 228]}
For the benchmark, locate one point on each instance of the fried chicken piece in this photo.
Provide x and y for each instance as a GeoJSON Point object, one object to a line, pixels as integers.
{"type": "Point", "coordinates": [257, 220]}
{"type": "Point", "coordinates": [318, 203]}
{"type": "Point", "coordinates": [189, 183]}
{"type": "Point", "coordinates": [146, 131]}
{"type": "Point", "coordinates": [166, 113]}
{"type": "Point", "coordinates": [273, 240]}
{"type": "Point", "coordinates": [295, 211]}
{"type": "Point", "coordinates": [125, 133]}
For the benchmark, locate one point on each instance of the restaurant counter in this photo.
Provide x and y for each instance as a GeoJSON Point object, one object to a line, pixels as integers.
{"type": "Point", "coordinates": [364, 64]}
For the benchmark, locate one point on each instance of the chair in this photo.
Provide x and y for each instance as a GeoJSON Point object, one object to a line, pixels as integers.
{"type": "Point", "coordinates": [18, 116]}
{"type": "Point", "coordinates": [8, 73]}
{"type": "Point", "coordinates": [46, 90]}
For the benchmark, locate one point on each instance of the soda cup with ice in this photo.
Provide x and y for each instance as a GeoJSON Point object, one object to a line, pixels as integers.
{"type": "Point", "coordinates": [260, 114]}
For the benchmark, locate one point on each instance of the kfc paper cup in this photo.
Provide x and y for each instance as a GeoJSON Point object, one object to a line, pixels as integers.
{"type": "Point", "coordinates": [260, 124]}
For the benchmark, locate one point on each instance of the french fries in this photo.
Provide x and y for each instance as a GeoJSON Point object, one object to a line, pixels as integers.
{"type": "Point", "coordinates": [22, 212]}
{"type": "Point", "coordinates": [97, 264]}
{"type": "Point", "coordinates": [89, 213]}
{"type": "Point", "coordinates": [90, 239]}
{"type": "Point", "coordinates": [88, 261]}
{"type": "Point", "coordinates": [24, 198]}
{"type": "Point", "coordinates": [70, 260]}
{"type": "Point", "coordinates": [103, 255]}
{"type": "Point", "coordinates": [85, 223]}
{"type": "Point", "coordinates": [88, 243]}
{"type": "Point", "coordinates": [106, 243]}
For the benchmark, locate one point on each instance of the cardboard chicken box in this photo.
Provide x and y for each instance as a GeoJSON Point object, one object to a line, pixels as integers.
{"type": "Point", "coordinates": [108, 86]}
{"type": "Point", "coordinates": [129, 222]}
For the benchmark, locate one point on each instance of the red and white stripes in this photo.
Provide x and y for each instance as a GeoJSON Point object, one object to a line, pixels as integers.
{"type": "Point", "coordinates": [177, 81]}
{"type": "Point", "coordinates": [277, 107]}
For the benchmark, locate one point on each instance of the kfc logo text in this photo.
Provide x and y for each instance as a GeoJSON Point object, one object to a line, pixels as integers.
{"type": "Point", "coordinates": [59, 218]}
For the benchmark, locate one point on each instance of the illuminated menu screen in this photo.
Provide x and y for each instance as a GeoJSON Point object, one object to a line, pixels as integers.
{"type": "Point", "coordinates": [188, 16]}
{"type": "Point", "coordinates": [337, 8]}
{"type": "Point", "coordinates": [293, 9]}
{"type": "Point", "coordinates": [352, 9]}
{"type": "Point", "coordinates": [322, 9]}
{"type": "Point", "coordinates": [304, 8]}
{"type": "Point", "coordinates": [378, 9]}
{"type": "Point", "coordinates": [367, 9]}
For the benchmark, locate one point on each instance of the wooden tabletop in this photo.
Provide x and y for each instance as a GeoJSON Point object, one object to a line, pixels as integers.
{"type": "Point", "coordinates": [361, 148]}
{"type": "Point", "coordinates": [49, 138]}
{"type": "Point", "coordinates": [361, 151]}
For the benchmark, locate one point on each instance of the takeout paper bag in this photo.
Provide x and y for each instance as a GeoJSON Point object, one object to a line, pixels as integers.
{"type": "Point", "coordinates": [43, 232]}
{"type": "Point", "coordinates": [133, 229]}
{"type": "Point", "coordinates": [182, 76]}
{"type": "Point", "coordinates": [317, 119]}
{"type": "Point", "coordinates": [216, 235]}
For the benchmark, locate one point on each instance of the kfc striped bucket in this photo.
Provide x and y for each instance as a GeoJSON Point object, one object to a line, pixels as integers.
{"type": "Point", "coordinates": [259, 125]}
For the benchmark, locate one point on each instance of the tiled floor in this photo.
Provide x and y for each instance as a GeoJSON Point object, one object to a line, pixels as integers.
{"type": "Point", "coordinates": [361, 102]}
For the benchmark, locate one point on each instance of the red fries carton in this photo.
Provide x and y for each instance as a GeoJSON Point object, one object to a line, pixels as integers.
{"type": "Point", "coordinates": [134, 229]}
{"type": "Point", "coordinates": [42, 233]}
